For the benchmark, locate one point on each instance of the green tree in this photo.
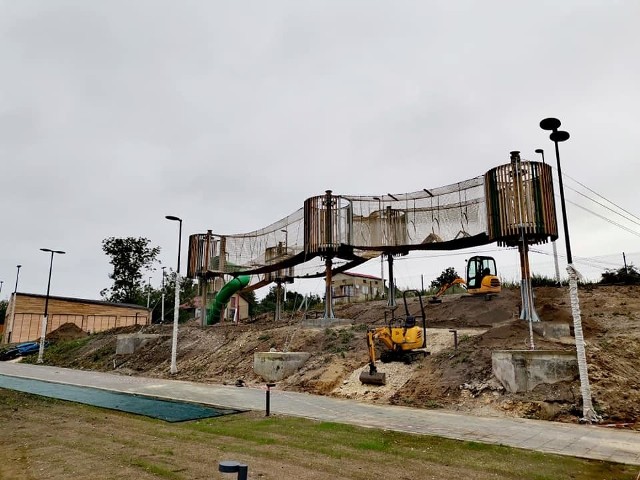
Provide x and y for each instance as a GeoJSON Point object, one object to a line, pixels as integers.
{"type": "Point", "coordinates": [447, 276]}
{"type": "Point", "coordinates": [3, 310]}
{"type": "Point", "coordinates": [131, 258]}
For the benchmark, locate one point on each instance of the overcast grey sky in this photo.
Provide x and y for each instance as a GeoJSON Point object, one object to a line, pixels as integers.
{"type": "Point", "coordinates": [229, 114]}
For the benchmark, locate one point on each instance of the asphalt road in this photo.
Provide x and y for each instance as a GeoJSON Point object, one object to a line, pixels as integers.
{"type": "Point", "coordinates": [586, 441]}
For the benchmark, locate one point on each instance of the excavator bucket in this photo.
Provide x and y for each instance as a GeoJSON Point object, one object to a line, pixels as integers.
{"type": "Point", "coordinates": [375, 378]}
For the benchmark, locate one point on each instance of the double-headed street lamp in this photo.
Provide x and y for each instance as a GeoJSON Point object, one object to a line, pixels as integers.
{"type": "Point", "coordinates": [43, 327]}
{"type": "Point", "coordinates": [559, 136]}
{"type": "Point", "coordinates": [176, 307]}
{"type": "Point", "coordinates": [588, 413]}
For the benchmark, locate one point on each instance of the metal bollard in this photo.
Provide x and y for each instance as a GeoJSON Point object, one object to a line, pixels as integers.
{"type": "Point", "coordinates": [231, 466]}
{"type": "Point", "coordinates": [268, 406]}
{"type": "Point", "coordinates": [455, 338]}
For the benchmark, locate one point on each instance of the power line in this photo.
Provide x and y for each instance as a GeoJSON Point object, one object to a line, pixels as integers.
{"type": "Point", "coordinates": [597, 194]}
{"type": "Point", "coordinates": [605, 218]}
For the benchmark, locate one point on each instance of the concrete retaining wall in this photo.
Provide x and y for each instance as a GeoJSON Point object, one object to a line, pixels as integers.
{"type": "Point", "coordinates": [555, 330]}
{"type": "Point", "coordinates": [523, 370]}
{"type": "Point", "coordinates": [129, 343]}
{"type": "Point", "coordinates": [274, 366]}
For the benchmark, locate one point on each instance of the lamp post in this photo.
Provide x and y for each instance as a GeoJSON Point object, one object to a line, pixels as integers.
{"type": "Point", "coordinates": [1, 283]}
{"type": "Point", "coordinates": [43, 328]}
{"type": "Point", "coordinates": [588, 413]}
{"type": "Point", "coordinates": [176, 306]}
{"type": "Point", "coordinates": [13, 305]}
{"type": "Point", "coordinates": [162, 310]}
{"type": "Point", "coordinates": [149, 293]}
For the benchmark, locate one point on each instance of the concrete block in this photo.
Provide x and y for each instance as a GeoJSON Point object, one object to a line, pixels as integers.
{"type": "Point", "coordinates": [555, 330]}
{"type": "Point", "coordinates": [274, 366]}
{"type": "Point", "coordinates": [523, 370]}
{"type": "Point", "coordinates": [129, 343]}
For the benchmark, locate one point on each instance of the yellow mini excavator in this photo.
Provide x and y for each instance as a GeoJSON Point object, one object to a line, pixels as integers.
{"type": "Point", "coordinates": [403, 338]}
{"type": "Point", "coordinates": [481, 279]}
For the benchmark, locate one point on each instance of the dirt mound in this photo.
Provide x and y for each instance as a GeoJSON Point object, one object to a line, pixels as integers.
{"type": "Point", "coordinates": [65, 332]}
{"type": "Point", "coordinates": [451, 378]}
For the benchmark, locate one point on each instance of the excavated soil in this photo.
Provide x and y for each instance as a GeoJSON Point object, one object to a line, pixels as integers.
{"type": "Point", "coordinates": [456, 379]}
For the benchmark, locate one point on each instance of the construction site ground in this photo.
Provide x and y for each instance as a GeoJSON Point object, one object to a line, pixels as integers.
{"type": "Point", "coordinates": [454, 379]}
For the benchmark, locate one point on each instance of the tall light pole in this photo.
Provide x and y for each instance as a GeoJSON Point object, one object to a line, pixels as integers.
{"type": "Point", "coordinates": [13, 307]}
{"type": "Point", "coordinates": [162, 310]}
{"type": "Point", "coordinates": [176, 306]}
{"type": "Point", "coordinates": [1, 283]}
{"type": "Point", "coordinates": [588, 413]}
{"type": "Point", "coordinates": [43, 328]}
{"type": "Point", "coordinates": [149, 293]}
{"type": "Point", "coordinates": [553, 243]}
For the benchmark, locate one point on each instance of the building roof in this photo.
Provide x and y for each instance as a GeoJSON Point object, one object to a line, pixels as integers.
{"type": "Point", "coordinates": [360, 275]}
{"type": "Point", "coordinates": [84, 300]}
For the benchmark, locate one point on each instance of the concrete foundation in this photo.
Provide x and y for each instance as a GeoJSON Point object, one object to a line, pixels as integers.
{"type": "Point", "coordinates": [325, 322]}
{"type": "Point", "coordinates": [523, 370]}
{"type": "Point", "coordinates": [556, 330]}
{"type": "Point", "coordinates": [274, 366]}
{"type": "Point", "coordinates": [129, 343]}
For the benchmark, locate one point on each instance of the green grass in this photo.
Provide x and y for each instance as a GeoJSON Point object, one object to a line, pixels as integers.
{"type": "Point", "coordinates": [149, 448]}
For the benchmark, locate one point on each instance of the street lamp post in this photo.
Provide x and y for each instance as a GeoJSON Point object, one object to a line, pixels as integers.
{"type": "Point", "coordinates": [13, 306]}
{"type": "Point", "coordinates": [176, 306]}
{"type": "Point", "coordinates": [43, 328]}
{"type": "Point", "coordinates": [149, 293]}
{"type": "Point", "coordinates": [588, 413]}
{"type": "Point", "coordinates": [162, 310]}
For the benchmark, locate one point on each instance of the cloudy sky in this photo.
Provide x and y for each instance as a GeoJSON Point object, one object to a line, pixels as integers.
{"type": "Point", "coordinates": [229, 114]}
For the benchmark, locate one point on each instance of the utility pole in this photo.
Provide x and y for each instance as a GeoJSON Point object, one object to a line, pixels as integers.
{"type": "Point", "coordinates": [162, 310]}
{"type": "Point", "coordinates": [149, 293]}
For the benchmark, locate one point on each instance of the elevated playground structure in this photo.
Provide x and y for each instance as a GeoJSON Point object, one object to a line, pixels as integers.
{"type": "Point", "coordinates": [511, 205]}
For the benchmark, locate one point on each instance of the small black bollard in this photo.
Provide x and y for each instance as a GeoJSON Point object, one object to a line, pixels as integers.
{"type": "Point", "coordinates": [232, 466]}
{"type": "Point", "coordinates": [269, 385]}
{"type": "Point", "coordinates": [455, 338]}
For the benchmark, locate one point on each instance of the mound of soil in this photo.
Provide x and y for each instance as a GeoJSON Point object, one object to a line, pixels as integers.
{"type": "Point", "coordinates": [453, 378]}
{"type": "Point", "coordinates": [65, 332]}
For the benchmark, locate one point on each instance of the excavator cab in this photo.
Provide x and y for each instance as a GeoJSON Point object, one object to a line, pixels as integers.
{"type": "Point", "coordinates": [482, 275]}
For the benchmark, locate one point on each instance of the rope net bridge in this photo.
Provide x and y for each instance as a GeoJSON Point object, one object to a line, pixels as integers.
{"type": "Point", "coordinates": [499, 206]}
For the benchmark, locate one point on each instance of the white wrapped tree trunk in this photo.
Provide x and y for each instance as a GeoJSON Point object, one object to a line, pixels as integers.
{"type": "Point", "coordinates": [588, 413]}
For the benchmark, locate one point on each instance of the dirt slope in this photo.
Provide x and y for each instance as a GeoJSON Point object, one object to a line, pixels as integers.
{"type": "Point", "coordinates": [454, 379]}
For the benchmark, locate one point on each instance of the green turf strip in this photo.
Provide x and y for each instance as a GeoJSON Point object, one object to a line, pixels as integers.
{"type": "Point", "coordinates": [167, 410]}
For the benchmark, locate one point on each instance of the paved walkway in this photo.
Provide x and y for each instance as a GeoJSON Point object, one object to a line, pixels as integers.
{"type": "Point", "coordinates": [585, 441]}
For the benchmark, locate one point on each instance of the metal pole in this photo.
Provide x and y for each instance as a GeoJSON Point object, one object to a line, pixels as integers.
{"type": "Point", "coordinates": [562, 203]}
{"type": "Point", "coordinates": [13, 306]}
{"type": "Point", "coordinates": [43, 327]}
{"type": "Point", "coordinates": [162, 308]}
{"type": "Point", "coordinates": [588, 413]}
{"type": "Point", "coordinates": [176, 306]}
{"type": "Point", "coordinates": [149, 293]}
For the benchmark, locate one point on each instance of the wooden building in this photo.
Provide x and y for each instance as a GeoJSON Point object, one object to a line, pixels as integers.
{"type": "Point", "coordinates": [25, 312]}
{"type": "Point", "coordinates": [355, 287]}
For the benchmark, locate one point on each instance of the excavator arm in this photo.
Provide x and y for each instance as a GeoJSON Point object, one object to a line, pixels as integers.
{"type": "Point", "coordinates": [373, 376]}
{"type": "Point", "coordinates": [445, 287]}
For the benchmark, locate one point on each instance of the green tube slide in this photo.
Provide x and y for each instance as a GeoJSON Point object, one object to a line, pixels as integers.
{"type": "Point", "coordinates": [223, 296]}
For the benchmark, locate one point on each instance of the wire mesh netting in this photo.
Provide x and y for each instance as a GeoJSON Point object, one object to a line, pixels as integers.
{"type": "Point", "coordinates": [358, 228]}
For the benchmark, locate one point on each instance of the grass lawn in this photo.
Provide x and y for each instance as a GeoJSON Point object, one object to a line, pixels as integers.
{"type": "Point", "coordinates": [43, 438]}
